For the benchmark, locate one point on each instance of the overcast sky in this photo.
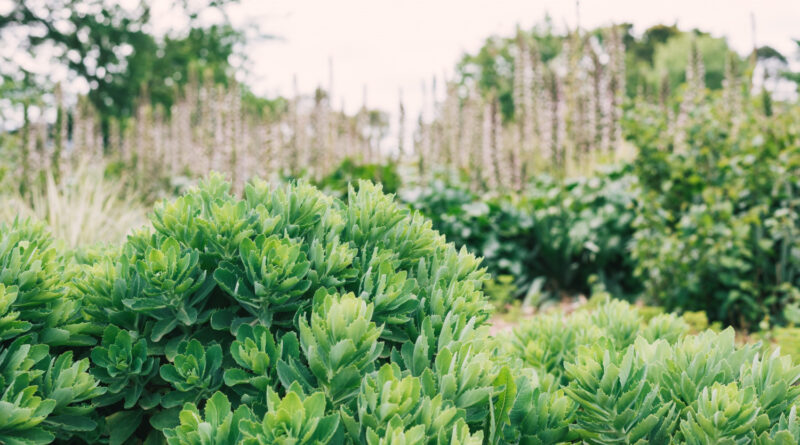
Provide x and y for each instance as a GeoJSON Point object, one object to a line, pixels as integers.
{"type": "Point", "coordinates": [384, 46]}
{"type": "Point", "coordinates": [388, 45]}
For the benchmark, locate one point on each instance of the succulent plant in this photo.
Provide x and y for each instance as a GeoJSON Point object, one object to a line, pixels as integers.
{"type": "Point", "coordinates": [121, 363]}
{"type": "Point", "coordinates": [293, 419]}
{"type": "Point", "coordinates": [341, 344]}
{"type": "Point", "coordinates": [195, 373]}
{"type": "Point", "coordinates": [218, 425]}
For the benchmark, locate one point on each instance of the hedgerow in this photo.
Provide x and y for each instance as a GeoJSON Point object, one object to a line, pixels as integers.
{"type": "Point", "coordinates": [290, 317]}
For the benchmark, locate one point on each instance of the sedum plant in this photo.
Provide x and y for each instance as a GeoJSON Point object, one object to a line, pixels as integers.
{"type": "Point", "coordinates": [723, 414]}
{"type": "Point", "coordinates": [290, 317]}
{"type": "Point", "coordinates": [634, 381]}
{"type": "Point", "coordinates": [294, 419]}
{"type": "Point", "coordinates": [341, 344]}
{"type": "Point", "coordinates": [46, 390]}
{"type": "Point", "coordinates": [287, 302]}
{"type": "Point", "coordinates": [217, 426]}
{"type": "Point", "coordinates": [618, 404]}
{"type": "Point", "coordinates": [123, 366]}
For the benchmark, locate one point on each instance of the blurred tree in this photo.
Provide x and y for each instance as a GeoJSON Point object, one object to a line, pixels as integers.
{"type": "Point", "coordinates": [662, 51]}
{"type": "Point", "coordinates": [492, 67]}
{"type": "Point", "coordinates": [639, 53]}
{"type": "Point", "coordinates": [109, 47]}
{"type": "Point", "coordinates": [671, 58]}
{"type": "Point", "coordinates": [793, 76]}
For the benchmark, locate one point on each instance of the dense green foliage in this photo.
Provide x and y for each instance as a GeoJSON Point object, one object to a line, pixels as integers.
{"type": "Point", "coordinates": [287, 301]}
{"type": "Point", "coordinates": [572, 234]}
{"type": "Point", "coordinates": [110, 47]}
{"type": "Point", "coordinates": [717, 229]}
{"type": "Point", "coordinates": [45, 390]}
{"type": "Point", "coordinates": [288, 316]}
{"type": "Point", "coordinates": [707, 222]}
{"type": "Point", "coordinates": [351, 172]}
{"type": "Point", "coordinates": [608, 376]}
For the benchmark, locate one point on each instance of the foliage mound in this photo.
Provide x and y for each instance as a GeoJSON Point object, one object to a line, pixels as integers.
{"type": "Point", "coordinates": [288, 316]}
{"type": "Point", "coordinates": [606, 375]}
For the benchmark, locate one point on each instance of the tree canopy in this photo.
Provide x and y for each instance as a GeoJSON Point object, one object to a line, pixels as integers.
{"type": "Point", "coordinates": [113, 50]}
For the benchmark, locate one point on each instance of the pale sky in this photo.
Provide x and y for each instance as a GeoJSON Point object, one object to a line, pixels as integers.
{"type": "Point", "coordinates": [387, 45]}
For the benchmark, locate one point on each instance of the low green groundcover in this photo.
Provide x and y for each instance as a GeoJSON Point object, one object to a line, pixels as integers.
{"type": "Point", "coordinates": [290, 317]}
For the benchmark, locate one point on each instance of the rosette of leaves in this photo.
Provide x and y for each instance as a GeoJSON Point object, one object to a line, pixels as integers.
{"type": "Point", "coordinates": [450, 282]}
{"type": "Point", "coordinates": [207, 218]}
{"type": "Point", "coordinates": [370, 216]}
{"type": "Point", "coordinates": [545, 343]}
{"type": "Point", "coordinates": [619, 320]}
{"type": "Point", "coordinates": [218, 426]}
{"type": "Point", "coordinates": [255, 351]}
{"type": "Point", "coordinates": [385, 395]}
{"type": "Point", "coordinates": [294, 419]}
{"type": "Point", "coordinates": [540, 417]}
{"type": "Point", "coordinates": [340, 343]}
{"type": "Point", "coordinates": [293, 210]}
{"type": "Point", "coordinates": [175, 288]}
{"type": "Point", "coordinates": [10, 324]}
{"type": "Point", "coordinates": [392, 294]}
{"type": "Point", "coordinates": [225, 226]}
{"type": "Point", "coordinates": [697, 362]}
{"type": "Point", "coordinates": [30, 263]}
{"type": "Point", "coordinates": [272, 281]}
{"type": "Point", "coordinates": [121, 363]}
{"type": "Point", "coordinates": [667, 327]}
{"type": "Point", "coordinates": [466, 377]}
{"type": "Point", "coordinates": [785, 432]}
{"type": "Point", "coordinates": [42, 395]}
{"type": "Point", "coordinates": [775, 380]}
{"type": "Point", "coordinates": [412, 240]}
{"type": "Point", "coordinates": [69, 383]}
{"type": "Point", "coordinates": [724, 414]}
{"type": "Point", "coordinates": [179, 218]}
{"type": "Point", "coordinates": [36, 297]}
{"type": "Point", "coordinates": [331, 262]}
{"type": "Point", "coordinates": [23, 409]}
{"type": "Point", "coordinates": [195, 373]}
{"type": "Point", "coordinates": [105, 285]}
{"type": "Point", "coordinates": [618, 404]}
{"type": "Point", "coordinates": [389, 396]}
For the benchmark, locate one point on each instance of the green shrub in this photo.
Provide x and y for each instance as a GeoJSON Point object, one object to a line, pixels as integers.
{"type": "Point", "coordinates": [349, 172]}
{"type": "Point", "coordinates": [289, 302]}
{"type": "Point", "coordinates": [46, 391]}
{"type": "Point", "coordinates": [717, 228]}
{"type": "Point", "coordinates": [569, 233]}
